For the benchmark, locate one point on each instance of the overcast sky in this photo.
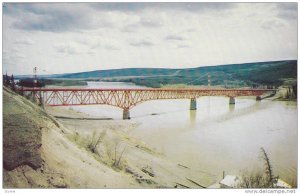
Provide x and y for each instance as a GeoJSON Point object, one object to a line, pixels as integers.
{"type": "Point", "coordinates": [74, 37]}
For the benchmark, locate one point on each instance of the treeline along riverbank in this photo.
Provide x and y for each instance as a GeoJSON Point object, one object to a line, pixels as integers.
{"type": "Point", "coordinates": [267, 74]}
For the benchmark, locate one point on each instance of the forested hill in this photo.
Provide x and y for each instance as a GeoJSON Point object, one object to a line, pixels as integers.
{"type": "Point", "coordinates": [247, 74]}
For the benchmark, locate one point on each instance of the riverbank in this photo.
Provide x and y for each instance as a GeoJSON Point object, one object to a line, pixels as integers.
{"type": "Point", "coordinates": [38, 153]}
{"type": "Point", "coordinates": [83, 153]}
{"type": "Point", "coordinates": [284, 93]}
{"type": "Point", "coordinates": [125, 154]}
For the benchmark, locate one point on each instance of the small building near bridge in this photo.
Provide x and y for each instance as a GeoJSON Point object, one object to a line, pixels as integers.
{"type": "Point", "coordinates": [229, 181]}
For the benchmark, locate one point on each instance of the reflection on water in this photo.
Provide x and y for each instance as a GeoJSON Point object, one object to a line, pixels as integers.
{"type": "Point", "coordinates": [231, 107]}
{"type": "Point", "coordinates": [217, 136]}
{"type": "Point", "coordinates": [193, 114]}
{"type": "Point", "coordinates": [112, 85]}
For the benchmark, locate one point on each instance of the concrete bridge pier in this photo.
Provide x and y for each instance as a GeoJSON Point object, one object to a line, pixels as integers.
{"type": "Point", "coordinates": [32, 96]}
{"type": "Point", "coordinates": [258, 98]}
{"type": "Point", "coordinates": [193, 105]}
{"type": "Point", "coordinates": [41, 101]}
{"type": "Point", "coordinates": [231, 100]}
{"type": "Point", "coordinates": [126, 114]}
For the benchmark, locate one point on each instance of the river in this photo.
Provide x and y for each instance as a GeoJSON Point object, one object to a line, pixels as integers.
{"type": "Point", "coordinates": [217, 136]}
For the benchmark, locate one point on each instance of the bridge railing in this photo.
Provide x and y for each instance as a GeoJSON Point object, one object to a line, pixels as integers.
{"type": "Point", "coordinates": [128, 98]}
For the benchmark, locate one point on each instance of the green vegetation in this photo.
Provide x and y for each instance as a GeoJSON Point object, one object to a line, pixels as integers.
{"type": "Point", "coordinates": [272, 74]}
{"type": "Point", "coordinates": [289, 94]}
{"type": "Point", "coordinates": [95, 141]}
{"type": "Point", "coordinates": [105, 149]}
{"type": "Point", "coordinates": [65, 82]}
{"type": "Point", "coordinates": [28, 82]}
{"type": "Point", "coordinates": [251, 75]}
{"type": "Point", "coordinates": [261, 179]}
{"type": "Point", "coordinates": [22, 137]}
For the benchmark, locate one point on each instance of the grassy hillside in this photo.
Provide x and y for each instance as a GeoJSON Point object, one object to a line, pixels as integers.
{"type": "Point", "coordinates": [41, 151]}
{"type": "Point", "coordinates": [272, 73]}
{"type": "Point", "coordinates": [236, 75]}
{"type": "Point", "coordinates": [119, 73]}
{"type": "Point", "coordinates": [21, 133]}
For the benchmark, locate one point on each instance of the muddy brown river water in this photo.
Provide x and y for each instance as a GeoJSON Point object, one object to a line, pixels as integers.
{"type": "Point", "coordinates": [217, 136]}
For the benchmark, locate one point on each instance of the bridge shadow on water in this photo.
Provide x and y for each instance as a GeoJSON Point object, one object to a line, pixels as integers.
{"type": "Point", "coordinates": [83, 118]}
{"type": "Point", "coordinates": [158, 113]}
{"type": "Point", "coordinates": [233, 112]}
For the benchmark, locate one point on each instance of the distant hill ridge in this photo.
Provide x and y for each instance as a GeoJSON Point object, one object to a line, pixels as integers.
{"type": "Point", "coordinates": [167, 71]}
{"type": "Point", "coordinates": [269, 73]}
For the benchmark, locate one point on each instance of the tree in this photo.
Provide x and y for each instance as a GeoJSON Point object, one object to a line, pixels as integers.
{"type": "Point", "coordinates": [295, 89]}
{"type": "Point", "coordinates": [12, 82]}
{"type": "Point", "coordinates": [260, 179]}
{"type": "Point", "coordinates": [271, 180]}
{"type": "Point", "coordinates": [6, 80]}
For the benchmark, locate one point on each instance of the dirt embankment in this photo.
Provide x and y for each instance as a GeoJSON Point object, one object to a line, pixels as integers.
{"type": "Point", "coordinates": [22, 135]}
{"type": "Point", "coordinates": [37, 153]}
{"type": "Point", "coordinates": [41, 151]}
{"type": "Point", "coordinates": [285, 93]}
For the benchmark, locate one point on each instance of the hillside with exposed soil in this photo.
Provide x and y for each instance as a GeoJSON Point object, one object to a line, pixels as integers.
{"type": "Point", "coordinates": [79, 151]}
{"type": "Point", "coordinates": [37, 153]}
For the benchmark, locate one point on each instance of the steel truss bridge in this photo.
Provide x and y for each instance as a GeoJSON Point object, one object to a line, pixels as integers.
{"type": "Point", "coordinates": [128, 98]}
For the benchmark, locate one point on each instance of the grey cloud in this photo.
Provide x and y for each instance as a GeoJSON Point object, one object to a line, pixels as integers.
{"type": "Point", "coordinates": [144, 22]}
{"type": "Point", "coordinates": [52, 17]}
{"type": "Point", "coordinates": [13, 57]}
{"type": "Point", "coordinates": [24, 41]}
{"type": "Point", "coordinates": [175, 37]}
{"type": "Point", "coordinates": [183, 46]}
{"type": "Point", "coordinates": [32, 17]}
{"type": "Point", "coordinates": [131, 28]}
{"type": "Point", "coordinates": [288, 11]}
{"type": "Point", "coordinates": [191, 30]}
{"type": "Point", "coordinates": [111, 47]}
{"type": "Point", "coordinates": [272, 24]}
{"type": "Point", "coordinates": [20, 56]}
{"type": "Point", "coordinates": [119, 6]}
{"type": "Point", "coordinates": [92, 53]}
{"type": "Point", "coordinates": [208, 6]}
{"type": "Point", "coordinates": [288, 6]}
{"type": "Point", "coordinates": [142, 43]}
{"type": "Point", "coordinates": [60, 17]}
{"type": "Point", "coordinates": [66, 48]}
{"type": "Point", "coordinates": [150, 22]}
{"type": "Point", "coordinates": [94, 45]}
{"type": "Point", "coordinates": [133, 6]}
{"type": "Point", "coordinates": [288, 15]}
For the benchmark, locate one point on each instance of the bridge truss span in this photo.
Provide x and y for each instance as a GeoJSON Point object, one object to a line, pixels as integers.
{"type": "Point", "coordinates": [127, 98]}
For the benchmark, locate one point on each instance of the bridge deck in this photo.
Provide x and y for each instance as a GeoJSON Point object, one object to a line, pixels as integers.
{"type": "Point", "coordinates": [126, 98]}
{"type": "Point", "coordinates": [143, 89]}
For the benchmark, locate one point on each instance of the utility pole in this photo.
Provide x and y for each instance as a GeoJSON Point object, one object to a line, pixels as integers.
{"type": "Point", "coordinates": [35, 84]}
{"type": "Point", "coordinates": [34, 77]}
{"type": "Point", "coordinates": [208, 79]}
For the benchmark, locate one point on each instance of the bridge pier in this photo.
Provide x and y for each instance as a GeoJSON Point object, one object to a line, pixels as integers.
{"type": "Point", "coordinates": [231, 100]}
{"type": "Point", "coordinates": [193, 105]}
{"type": "Point", "coordinates": [258, 98]}
{"type": "Point", "coordinates": [126, 114]}
{"type": "Point", "coordinates": [31, 96]}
